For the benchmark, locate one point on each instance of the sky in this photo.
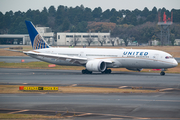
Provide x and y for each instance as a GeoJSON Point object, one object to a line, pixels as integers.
{"type": "Point", "coordinates": [24, 5]}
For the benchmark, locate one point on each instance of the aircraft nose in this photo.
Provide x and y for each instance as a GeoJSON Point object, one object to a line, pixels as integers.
{"type": "Point", "coordinates": [175, 63]}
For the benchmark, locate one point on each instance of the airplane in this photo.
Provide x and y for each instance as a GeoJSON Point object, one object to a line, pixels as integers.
{"type": "Point", "coordinates": [98, 60]}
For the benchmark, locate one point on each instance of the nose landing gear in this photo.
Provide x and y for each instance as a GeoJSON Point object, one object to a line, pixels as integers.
{"type": "Point", "coordinates": [162, 72]}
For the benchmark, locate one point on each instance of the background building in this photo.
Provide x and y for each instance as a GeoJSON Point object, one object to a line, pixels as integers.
{"type": "Point", "coordinates": [177, 42]}
{"type": "Point", "coordinates": [15, 39]}
{"type": "Point", "coordinates": [154, 43]}
{"type": "Point", "coordinates": [24, 39]}
{"type": "Point", "coordinates": [87, 38]}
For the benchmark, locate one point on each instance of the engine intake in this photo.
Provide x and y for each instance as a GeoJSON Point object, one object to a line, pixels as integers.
{"type": "Point", "coordinates": [96, 65]}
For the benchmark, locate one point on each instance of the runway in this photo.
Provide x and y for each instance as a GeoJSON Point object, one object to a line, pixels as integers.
{"type": "Point", "coordinates": [68, 77]}
{"type": "Point", "coordinates": [161, 105]}
{"type": "Point", "coordinates": [98, 106]}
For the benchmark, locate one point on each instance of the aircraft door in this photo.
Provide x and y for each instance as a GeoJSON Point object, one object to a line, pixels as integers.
{"type": "Point", "coordinates": [155, 57]}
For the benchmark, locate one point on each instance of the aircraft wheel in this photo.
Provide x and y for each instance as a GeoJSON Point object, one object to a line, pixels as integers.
{"type": "Point", "coordinates": [104, 72]}
{"type": "Point", "coordinates": [109, 71]}
{"type": "Point", "coordinates": [83, 71]}
{"type": "Point", "coordinates": [88, 72]}
{"type": "Point", "coordinates": [162, 73]}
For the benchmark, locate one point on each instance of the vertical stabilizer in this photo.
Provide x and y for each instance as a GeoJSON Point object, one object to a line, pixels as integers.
{"type": "Point", "coordinates": [37, 40]}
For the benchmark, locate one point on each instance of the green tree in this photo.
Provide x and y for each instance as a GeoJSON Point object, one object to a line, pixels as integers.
{"type": "Point", "coordinates": [81, 26]}
{"type": "Point", "coordinates": [136, 12]}
{"type": "Point", "coordinates": [106, 14]}
{"type": "Point", "coordinates": [66, 25]}
{"type": "Point", "coordinates": [176, 16]}
{"type": "Point", "coordinates": [113, 12]}
{"type": "Point", "coordinates": [44, 16]}
{"type": "Point", "coordinates": [97, 12]}
{"type": "Point", "coordinates": [145, 12]}
{"type": "Point", "coordinates": [52, 11]}
{"type": "Point", "coordinates": [60, 15]}
{"type": "Point", "coordinates": [113, 19]}
{"type": "Point", "coordinates": [7, 19]}
{"type": "Point", "coordinates": [36, 16]}
{"type": "Point", "coordinates": [130, 19]}
{"type": "Point", "coordinates": [1, 19]}
{"type": "Point", "coordinates": [154, 11]}
{"type": "Point", "coordinates": [87, 15]}
{"type": "Point", "coordinates": [151, 17]}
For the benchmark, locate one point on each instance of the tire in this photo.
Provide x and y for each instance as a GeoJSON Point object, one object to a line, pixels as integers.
{"type": "Point", "coordinates": [109, 71]}
{"type": "Point", "coordinates": [162, 73]}
{"type": "Point", "coordinates": [83, 71]}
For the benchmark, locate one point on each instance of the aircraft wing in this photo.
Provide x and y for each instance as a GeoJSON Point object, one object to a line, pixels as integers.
{"type": "Point", "coordinates": [72, 59]}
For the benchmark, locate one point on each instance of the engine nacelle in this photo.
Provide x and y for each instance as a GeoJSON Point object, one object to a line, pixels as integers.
{"type": "Point", "coordinates": [135, 69]}
{"type": "Point", "coordinates": [96, 65]}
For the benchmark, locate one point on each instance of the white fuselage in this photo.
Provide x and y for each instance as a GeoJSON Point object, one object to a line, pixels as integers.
{"type": "Point", "coordinates": [122, 58]}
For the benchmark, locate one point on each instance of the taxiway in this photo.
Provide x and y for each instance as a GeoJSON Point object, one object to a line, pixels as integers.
{"type": "Point", "coordinates": [162, 105]}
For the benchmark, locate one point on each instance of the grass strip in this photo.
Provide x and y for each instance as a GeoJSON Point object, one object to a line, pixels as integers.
{"type": "Point", "coordinates": [26, 116]}
{"type": "Point", "coordinates": [38, 65]}
{"type": "Point", "coordinates": [69, 89]}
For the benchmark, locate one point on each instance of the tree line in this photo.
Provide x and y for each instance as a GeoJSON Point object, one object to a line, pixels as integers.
{"type": "Point", "coordinates": [139, 25]}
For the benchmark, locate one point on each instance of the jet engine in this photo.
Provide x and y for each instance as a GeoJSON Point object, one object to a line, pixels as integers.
{"type": "Point", "coordinates": [96, 65]}
{"type": "Point", "coordinates": [135, 69]}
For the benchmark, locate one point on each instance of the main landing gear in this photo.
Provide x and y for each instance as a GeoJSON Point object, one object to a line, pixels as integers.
{"type": "Point", "coordinates": [107, 71]}
{"type": "Point", "coordinates": [85, 71]}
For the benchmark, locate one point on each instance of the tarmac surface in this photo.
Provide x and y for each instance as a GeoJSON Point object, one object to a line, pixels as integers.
{"type": "Point", "coordinates": [17, 59]}
{"type": "Point", "coordinates": [162, 105]}
{"type": "Point", "coordinates": [68, 77]}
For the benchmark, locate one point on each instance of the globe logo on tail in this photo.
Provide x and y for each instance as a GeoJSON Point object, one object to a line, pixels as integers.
{"type": "Point", "coordinates": [39, 43]}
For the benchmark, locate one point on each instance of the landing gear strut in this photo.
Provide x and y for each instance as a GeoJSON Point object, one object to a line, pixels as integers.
{"type": "Point", "coordinates": [107, 71]}
{"type": "Point", "coordinates": [85, 71]}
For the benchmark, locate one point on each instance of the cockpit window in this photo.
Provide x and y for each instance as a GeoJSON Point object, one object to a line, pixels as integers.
{"type": "Point", "coordinates": [168, 57]}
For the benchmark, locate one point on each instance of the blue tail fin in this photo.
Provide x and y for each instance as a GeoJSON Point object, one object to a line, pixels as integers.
{"type": "Point", "coordinates": [36, 40]}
